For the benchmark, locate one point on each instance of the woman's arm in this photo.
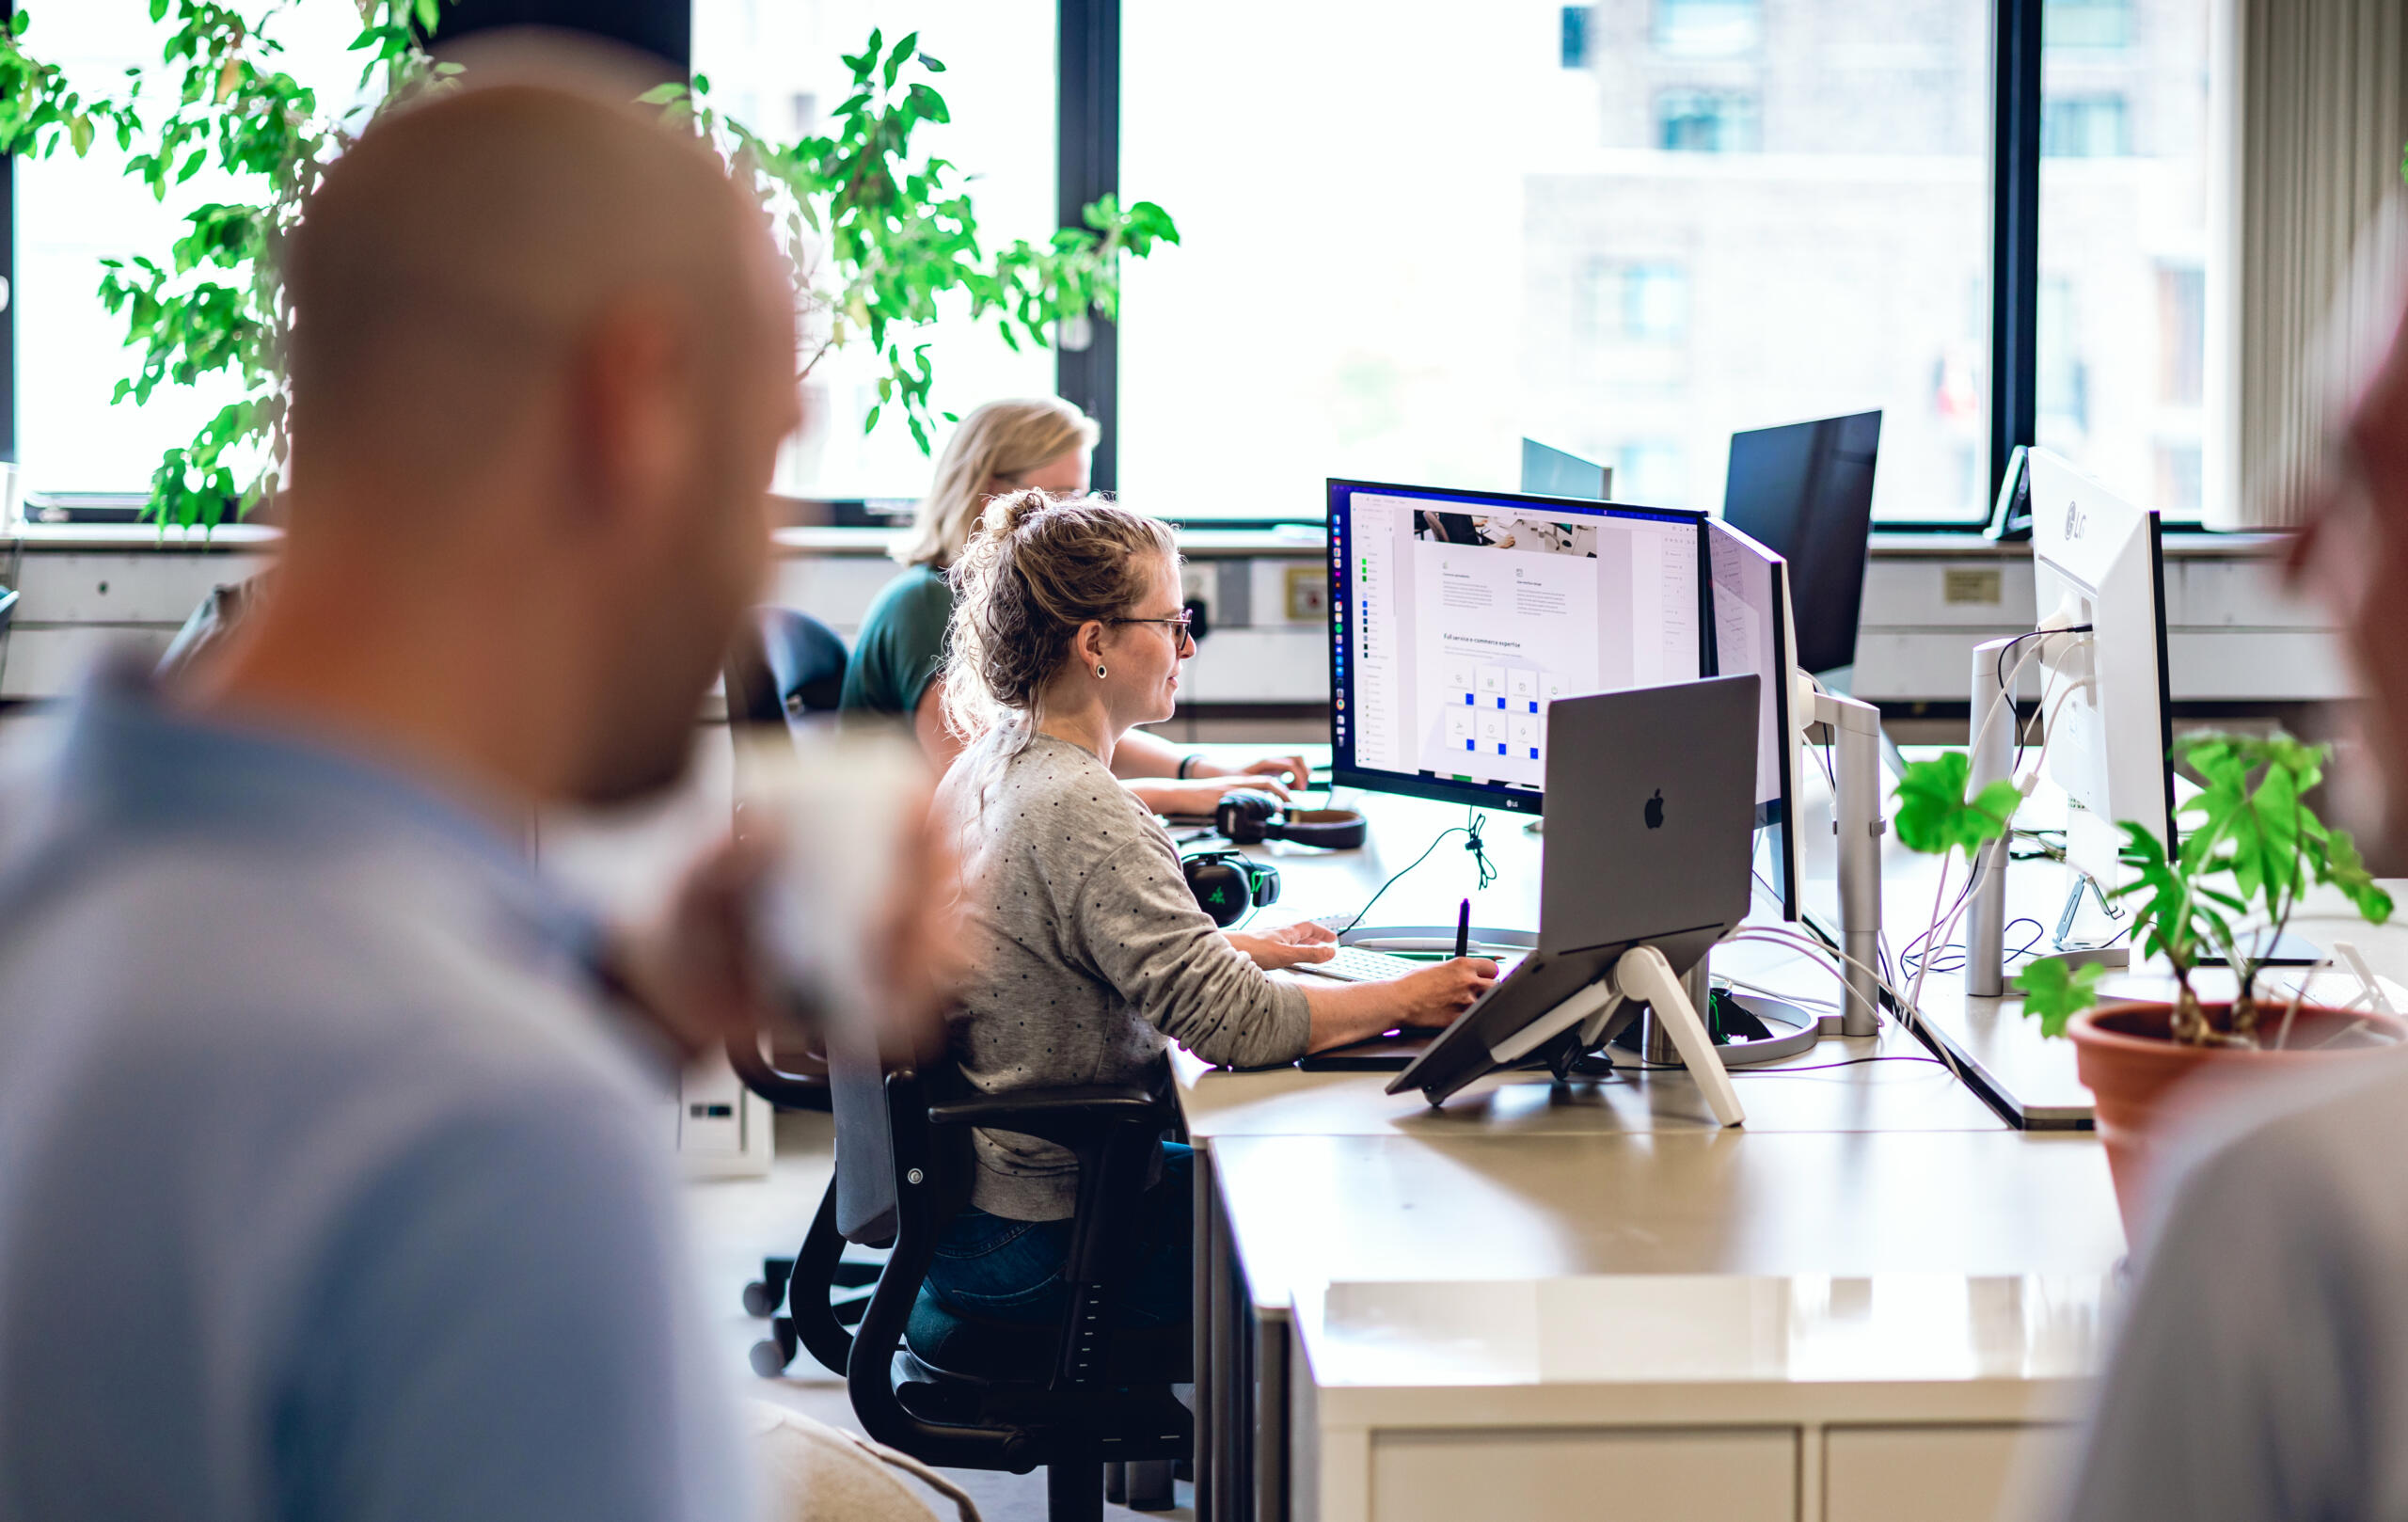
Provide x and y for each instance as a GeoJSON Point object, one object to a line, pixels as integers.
{"type": "Point", "coordinates": [938, 741]}
{"type": "Point", "coordinates": [1141, 757]}
{"type": "Point", "coordinates": [1345, 1013]}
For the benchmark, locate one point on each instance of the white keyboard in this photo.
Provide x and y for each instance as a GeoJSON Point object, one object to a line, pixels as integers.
{"type": "Point", "coordinates": [1354, 966]}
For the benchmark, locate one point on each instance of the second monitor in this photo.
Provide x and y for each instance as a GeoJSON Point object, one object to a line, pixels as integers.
{"type": "Point", "coordinates": [1459, 616]}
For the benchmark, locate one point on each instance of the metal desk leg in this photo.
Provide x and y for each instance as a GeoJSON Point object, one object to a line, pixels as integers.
{"type": "Point", "coordinates": [1208, 1384]}
{"type": "Point", "coordinates": [1269, 1389]}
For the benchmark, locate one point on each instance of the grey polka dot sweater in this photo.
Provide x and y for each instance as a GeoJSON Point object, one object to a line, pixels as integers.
{"type": "Point", "coordinates": [1092, 954]}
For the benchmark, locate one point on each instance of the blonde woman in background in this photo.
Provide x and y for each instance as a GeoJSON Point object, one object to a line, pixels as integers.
{"type": "Point", "coordinates": [897, 666]}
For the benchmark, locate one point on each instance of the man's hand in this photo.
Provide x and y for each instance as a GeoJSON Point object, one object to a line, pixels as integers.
{"type": "Point", "coordinates": [698, 972]}
{"type": "Point", "coordinates": [693, 968]}
{"type": "Point", "coordinates": [1290, 945]}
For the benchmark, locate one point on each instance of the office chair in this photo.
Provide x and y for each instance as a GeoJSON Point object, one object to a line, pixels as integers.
{"type": "Point", "coordinates": [1089, 1401]}
{"type": "Point", "coordinates": [784, 666]}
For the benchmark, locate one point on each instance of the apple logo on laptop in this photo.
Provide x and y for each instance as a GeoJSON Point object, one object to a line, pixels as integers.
{"type": "Point", "coordinates": [1656, 811]}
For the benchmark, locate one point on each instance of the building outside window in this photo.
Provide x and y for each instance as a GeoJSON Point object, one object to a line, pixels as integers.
{"type": "Point", "coordinates": [1705, 121]}
{"type": "Point", "coordinates": [1575, 37]}
{"type": "Point", "coordinates": [1640, 302]}
{"type": "Point", "coordinates": [2085, 127]}
{"type": "Point", "coordinates": [1708, 28]}
{"type": "Point", "coordinates": [1443, 289]}
{"type": "Point", "coordinates": [2123, 227]}
{"type": "Point", "coordinates": [2087, 24]}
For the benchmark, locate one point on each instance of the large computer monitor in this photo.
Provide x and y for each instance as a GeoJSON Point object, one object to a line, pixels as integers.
{"type": "Point", "coordinates": [1456, 617]}
{"type": "Point", "coordinates": [1805, 492]}
{"type": "Point", "coordinates": [2099, 560]}
{"type": "Point", "coordinates": [1749, 613]}
{"type": "Point", "coordinates": [1547, 471]}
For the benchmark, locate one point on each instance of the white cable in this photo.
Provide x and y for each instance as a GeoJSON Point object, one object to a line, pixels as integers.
{"type": "Point", "coordinates": [1815, 950]}
{"type": "Point", "coordinates": [2004, 697]}
{"type": "Point", "coordinates": [1782, 994]}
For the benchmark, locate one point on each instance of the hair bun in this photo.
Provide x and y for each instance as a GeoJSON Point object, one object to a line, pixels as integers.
{"type": "Point", "coordinates": [1006, 514]}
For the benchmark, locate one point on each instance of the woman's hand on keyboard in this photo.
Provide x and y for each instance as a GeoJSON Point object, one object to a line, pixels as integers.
{"type": "Point", "coordinates": [1290, 945]}
{"type": "Point", "coordinates": [1437, 994]}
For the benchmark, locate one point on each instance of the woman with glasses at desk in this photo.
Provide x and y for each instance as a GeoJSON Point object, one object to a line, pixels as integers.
{"type": "Point", "coordinates": [1092, 955]}
{"type": "Point", "coordinates": [897, 662]}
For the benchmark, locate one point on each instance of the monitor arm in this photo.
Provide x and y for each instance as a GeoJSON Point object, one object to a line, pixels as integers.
{"type": "Point", "coordinates": [1855, 733]}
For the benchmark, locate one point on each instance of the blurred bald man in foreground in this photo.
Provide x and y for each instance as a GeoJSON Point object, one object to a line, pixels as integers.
{"type": "Point", "coordinates": [333, 1181]}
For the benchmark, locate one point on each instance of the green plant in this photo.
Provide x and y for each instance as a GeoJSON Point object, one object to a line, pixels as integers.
{"type": "Point", "coordinates": [1936, 816]}
{"type": "Point", "coordinates": [210, 305]}
{"type": "Point", "coordinates": [2250, 847]}
{"type": "Point", "coordinates": [878, 237]}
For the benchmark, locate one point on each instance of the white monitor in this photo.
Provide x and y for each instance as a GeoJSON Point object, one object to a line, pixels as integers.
{"type": "Point", "coordinates": [1456, 617]}
{"type": "Point", "coordinates": [1749, 592]}
{"type": "Point", "coordinates": [2100, 561]}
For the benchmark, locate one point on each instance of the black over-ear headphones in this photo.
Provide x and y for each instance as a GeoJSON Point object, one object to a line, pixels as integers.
{"type": "Point", "coordinates": [1229, 883]}
{"type": "Point", "coordinates": [1248, 816]}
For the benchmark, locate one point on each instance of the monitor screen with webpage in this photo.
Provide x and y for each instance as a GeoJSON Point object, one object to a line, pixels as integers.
{"type": "Point", "coordinates": [1457, 616]}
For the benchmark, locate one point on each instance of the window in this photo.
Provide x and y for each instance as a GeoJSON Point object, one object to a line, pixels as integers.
{"type": "Point", "coordinates": [1706, 28]}
{"type": "Point", "coordinates": [1575, 37]}
{"type": "Point", "coordinates": [1374, 285]}
{"type": "Point", "coordinates": [2124, 337]}
{"type": "Point", "coordinates": [2181, 335]}
{"type": "Point", "coordinates": [1705, 121]}
{"type": "Point", "coordinates": [71, 213]}
{"type": "Point", "coordinates": [2083, 127]}
{"type": "Point", "coordinates": [2087, 24]}
{"type": "Point", "coordinates": [1646, 303]}
{"type": "Point", "coordinates": [779, 69]}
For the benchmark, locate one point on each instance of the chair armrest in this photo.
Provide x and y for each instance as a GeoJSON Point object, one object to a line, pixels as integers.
{"type": "Point", "coordinates": [1053, 1114]}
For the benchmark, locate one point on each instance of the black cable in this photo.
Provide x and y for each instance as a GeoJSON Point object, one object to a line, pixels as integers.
{"type": "Point", "coordinates": [1470, 829]}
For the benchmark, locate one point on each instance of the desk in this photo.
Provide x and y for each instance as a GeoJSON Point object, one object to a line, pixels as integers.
{"type": "Point", "coordinates": [1545, 1291]}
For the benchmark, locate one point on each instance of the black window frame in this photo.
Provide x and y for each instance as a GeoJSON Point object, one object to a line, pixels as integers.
{"type": "Point", "coordinates": [1087, 155]}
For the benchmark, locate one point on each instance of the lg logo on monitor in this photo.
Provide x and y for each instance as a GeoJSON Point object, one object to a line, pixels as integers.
{"type": "Point", "coordinates": [2075, 522]}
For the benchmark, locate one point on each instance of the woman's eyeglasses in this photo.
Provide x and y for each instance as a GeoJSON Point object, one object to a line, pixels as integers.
{"type": "Point", "coordinates": [1181, 625]}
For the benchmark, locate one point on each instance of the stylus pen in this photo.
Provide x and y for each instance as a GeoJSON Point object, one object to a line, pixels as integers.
{"type": "Point", "coordinates": [1463, 929]}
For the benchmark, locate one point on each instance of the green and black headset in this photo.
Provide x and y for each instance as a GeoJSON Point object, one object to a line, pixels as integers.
{"type": "Point", "coordinates": [1229, 884]}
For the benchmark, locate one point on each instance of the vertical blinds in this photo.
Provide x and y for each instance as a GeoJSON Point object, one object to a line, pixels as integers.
{"type": "Point", "coordinates": [2316, 163]}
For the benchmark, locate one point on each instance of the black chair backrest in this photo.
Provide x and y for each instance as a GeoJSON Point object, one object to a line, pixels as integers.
{"type": "Point", "coordinates": [806, 659]}
{"type": "Point", "coordinates": [864, 1131]}
{"type": "Point", "coordinates": [783, 661]}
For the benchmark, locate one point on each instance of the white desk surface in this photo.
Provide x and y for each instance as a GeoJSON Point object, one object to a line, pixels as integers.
{"type": "Point", "coordinates": [1309, 1211]}
{"type": "Point", "coordinates": [1679, 1350]}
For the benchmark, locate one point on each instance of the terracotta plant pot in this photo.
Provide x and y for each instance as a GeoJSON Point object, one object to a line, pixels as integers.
{"type": "Point", "coordinates": [2133, 1069]}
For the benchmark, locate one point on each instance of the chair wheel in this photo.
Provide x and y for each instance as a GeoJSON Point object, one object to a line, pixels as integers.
{"type": "Point", "coordinates": [768, 1360]}
{"type": "Point", "coordinates": [760, 1300]}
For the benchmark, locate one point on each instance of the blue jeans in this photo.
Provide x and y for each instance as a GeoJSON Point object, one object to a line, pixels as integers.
{"type": "Point", "coordinates": [1012, 1270]}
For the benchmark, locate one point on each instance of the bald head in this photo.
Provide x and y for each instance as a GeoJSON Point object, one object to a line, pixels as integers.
{"type": "Point", "coordinates": [449, 262]}
{"type": "Point", "coordinates": [542, 362]}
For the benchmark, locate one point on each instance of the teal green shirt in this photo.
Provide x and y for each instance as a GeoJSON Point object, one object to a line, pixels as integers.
{"type": "Point", "coordinates": [901, 646]}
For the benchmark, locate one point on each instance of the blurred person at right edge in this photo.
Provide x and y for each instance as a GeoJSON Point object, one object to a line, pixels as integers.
{"type": "Point", "coordinates": [333, 1177]}
{"type": "Point", "coordinates": [2261, 1370]}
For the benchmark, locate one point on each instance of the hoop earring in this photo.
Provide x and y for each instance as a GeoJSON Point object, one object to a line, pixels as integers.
{"type": "Point", "coordinates": [1099, 668]}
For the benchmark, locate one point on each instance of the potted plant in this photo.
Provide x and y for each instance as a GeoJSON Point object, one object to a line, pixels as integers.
{"type": "Point", "coordinates": [2250, 849]}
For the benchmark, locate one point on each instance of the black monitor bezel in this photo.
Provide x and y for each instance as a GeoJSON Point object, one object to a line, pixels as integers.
{"type": "Point", "coordinates": [1474, 795]}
